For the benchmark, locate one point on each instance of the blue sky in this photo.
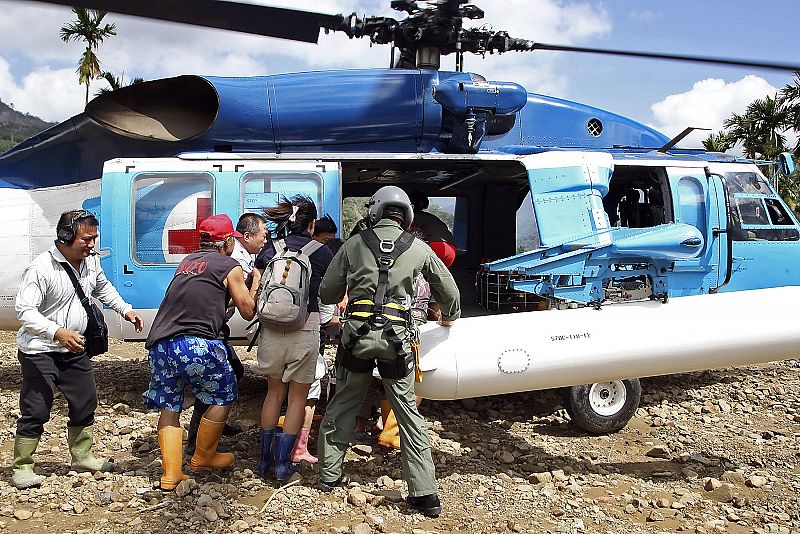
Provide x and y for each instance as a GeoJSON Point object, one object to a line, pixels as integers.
{"type": "Point", "coordinates": [37, 69]}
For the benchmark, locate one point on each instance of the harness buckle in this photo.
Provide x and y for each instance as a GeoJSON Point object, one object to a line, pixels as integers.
{"type": "Point", "coordinates": [387, 247]}
{"type": "Point", "coordinates": [388, 261]}
{"type": "Point", "coordinates": [378, 321]}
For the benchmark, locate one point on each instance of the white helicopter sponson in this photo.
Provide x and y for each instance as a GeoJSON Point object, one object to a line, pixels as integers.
{"type": "Point", "coordinates": [529, 351]}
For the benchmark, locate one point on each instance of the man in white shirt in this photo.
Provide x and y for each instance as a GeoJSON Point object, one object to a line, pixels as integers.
{"type": "Point", "coordinates": [253, 229]}
{"type": "Point", "coordinates": [51, 344]}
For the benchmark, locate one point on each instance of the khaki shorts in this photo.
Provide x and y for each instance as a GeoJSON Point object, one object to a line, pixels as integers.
{"type": "Point", "coordinates": [288, 355]}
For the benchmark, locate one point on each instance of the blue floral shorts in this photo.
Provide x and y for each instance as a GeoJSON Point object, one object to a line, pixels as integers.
{"type": "Point", "coordinates": [199, 363]}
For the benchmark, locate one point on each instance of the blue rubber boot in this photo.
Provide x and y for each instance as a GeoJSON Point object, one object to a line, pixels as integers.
{"type": "Point", "coordinates": [266, 452]}
{"type": "Point", "coordinates": [284, 467]}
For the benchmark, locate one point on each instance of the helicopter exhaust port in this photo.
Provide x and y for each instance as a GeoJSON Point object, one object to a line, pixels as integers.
{"type": "Point", "coordinates": [172, 109]}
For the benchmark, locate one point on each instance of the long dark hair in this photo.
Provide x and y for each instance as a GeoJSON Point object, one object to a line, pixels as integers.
{"type": "Point", "coordinates": [289, 220]}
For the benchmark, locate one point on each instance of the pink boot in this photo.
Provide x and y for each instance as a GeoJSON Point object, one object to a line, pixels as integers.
{"type": "Point", "coordinates": [300, 452]}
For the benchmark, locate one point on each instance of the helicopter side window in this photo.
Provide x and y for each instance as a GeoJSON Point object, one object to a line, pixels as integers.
{"type": "Point", "coordinates": [167, 210]}
{"type": "Point", "coordinates": [636, 197]}
{"type": "Point", "coordinates": [263, 190]}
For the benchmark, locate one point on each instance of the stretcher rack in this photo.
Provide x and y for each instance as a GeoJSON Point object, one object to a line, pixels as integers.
{"type": "Point", "coordinates": [494, 293]}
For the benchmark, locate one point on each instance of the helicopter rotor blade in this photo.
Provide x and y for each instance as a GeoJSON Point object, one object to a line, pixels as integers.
{"type": "Point", "coordinates": [522, 44]}
{"type": "Point", "coordinates": [292, 24]}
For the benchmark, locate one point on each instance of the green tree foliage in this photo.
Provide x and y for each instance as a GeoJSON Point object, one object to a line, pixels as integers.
{"type": "Point", "coordinates": [89, 28]}
{"type": "Point", "coordinates": [761, 132]}
{"type": "Point", "coordinates": [789, 98]}
{"type": "Point", "coordinates": [115, 82]}
{"type": "Point", "coordinates": [719, 142]}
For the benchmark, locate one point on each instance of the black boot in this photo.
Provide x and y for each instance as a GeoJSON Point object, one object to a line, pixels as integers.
{"type": "Point", "coordinates": [429, 505]}
{"type": "Point", "coordinates": [194, 424]}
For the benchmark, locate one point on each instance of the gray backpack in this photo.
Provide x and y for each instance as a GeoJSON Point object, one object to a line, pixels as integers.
{"type": "Point", "coordinates": [283, 299]}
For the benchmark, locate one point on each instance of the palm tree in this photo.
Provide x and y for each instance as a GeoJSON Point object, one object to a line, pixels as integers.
{"type": "Point", "coordinates": [760, 129]}
{"type": "Point", "coordinates": [789, 98]}
{"type": "Point", "coordinates": [115, 82]}
{"type": "Point", "coordinates": [87, 28]}
{"type": "Point", "coordinates": [719, 142]}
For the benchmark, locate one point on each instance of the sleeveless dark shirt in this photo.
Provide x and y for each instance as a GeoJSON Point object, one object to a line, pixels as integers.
{"type": "Point", "coordinates": [196, 299]}
{"type": "Point", "coordinates": [431, 228]}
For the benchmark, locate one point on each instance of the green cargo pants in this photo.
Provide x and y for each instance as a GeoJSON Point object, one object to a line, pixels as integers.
{"type": "Point", "coordinates": [336, 429]}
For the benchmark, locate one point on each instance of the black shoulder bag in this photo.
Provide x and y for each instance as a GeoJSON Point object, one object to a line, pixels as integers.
{"type": "Point", "coordinates": [96, 330]}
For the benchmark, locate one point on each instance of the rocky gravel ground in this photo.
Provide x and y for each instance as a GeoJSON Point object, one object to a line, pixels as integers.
{"type": "Point", "coordinates": [717, 451]}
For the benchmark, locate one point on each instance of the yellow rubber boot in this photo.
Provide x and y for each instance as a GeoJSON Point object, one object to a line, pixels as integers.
{"type": "Point", "coordinates": [385, 409]}
{"type": "Point", "coordinates": [390, 437]}
{"type": "Point", "coordinates": [206, 455]}
{"type": "Point", "coordinates": [170, 440]}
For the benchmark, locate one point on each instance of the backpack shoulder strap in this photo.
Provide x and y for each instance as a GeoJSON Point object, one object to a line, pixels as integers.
{"type": "Point", "coordinates": [279, 245]}
{"type": "Point", "coordinates": [311, 247]}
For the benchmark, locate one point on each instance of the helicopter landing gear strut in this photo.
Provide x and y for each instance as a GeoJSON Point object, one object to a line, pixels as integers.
{"type": "Point", "coordinates": [603, 407]}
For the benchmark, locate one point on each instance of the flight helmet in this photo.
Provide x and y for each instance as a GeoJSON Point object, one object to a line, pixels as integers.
{"type": "Point", "coordinates": [386, 197]}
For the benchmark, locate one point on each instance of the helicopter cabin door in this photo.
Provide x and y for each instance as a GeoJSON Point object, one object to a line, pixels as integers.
{"type": "Point", "coordinates": [567, 190]}
{"type": "Point", "coordinates": [699, 200]}
{"type": "Point", "coordinates": [151, 210]}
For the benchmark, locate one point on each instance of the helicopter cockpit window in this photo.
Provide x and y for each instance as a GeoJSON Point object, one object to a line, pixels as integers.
{"type": "Point", "coordinates": [756, 212]}
{"type": "Point", "coordinates": [167, 210]}
{"type": "Point", "coordinates": [451, 210]}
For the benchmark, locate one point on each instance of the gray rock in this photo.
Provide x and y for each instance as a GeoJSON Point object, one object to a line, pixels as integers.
{"type": "Point", "coordinates": [357, 498]}
{"type": "Point", "coordinates": [724, 493]}
{"type": "Point", "coordinates": [757, 481]}
{"type": "Point", "coordinates": [541, 478]}
{"type": "Point", "coordinates": [710, 484]}
{"type": "Point", "coordinates": [185, 487]}
{"type": "Point", "coordinates": [733, 477]}
{"type": "Point", "coordinates": [23, 515]}
{"type": "Point", "coordinates": [362, 450]}
{"type": "Point", "coordinates": [376, 522]}
{"type": "Point", "coordinates": [654, 516]}
{"type": "Point", "coordinates": [659, 451]}
{"type": "Point", "coordinates": [207, 513]}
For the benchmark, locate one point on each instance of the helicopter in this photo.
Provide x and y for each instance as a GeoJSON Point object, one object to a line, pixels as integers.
{"type": "Point", "coordinates": [639, 255]}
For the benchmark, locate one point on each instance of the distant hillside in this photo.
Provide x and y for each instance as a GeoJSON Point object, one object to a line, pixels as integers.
{"type": "Point", "coordinates": [16, 126]}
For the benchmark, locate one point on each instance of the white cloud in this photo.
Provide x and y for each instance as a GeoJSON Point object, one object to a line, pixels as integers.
{"type": "Point", "coordinates": [707, 105]}
{"type": "Point", "coordinates": [44, 93]}
{"type": "Point", "coordinates": [40, 62]}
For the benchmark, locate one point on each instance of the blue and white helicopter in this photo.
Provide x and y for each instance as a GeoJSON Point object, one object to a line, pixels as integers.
{"type": "Point", "coordinates": [636, 258]}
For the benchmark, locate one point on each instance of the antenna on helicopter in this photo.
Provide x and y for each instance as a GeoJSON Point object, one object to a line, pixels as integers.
{"type": "Point", "coordinates": [426, 34]}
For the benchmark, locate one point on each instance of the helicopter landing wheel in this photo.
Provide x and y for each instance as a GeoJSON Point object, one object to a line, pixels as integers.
{"type": "Point", "coordinates": [603, 407]}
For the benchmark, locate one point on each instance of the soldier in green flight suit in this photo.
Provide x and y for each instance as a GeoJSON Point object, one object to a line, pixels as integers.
{"type": "Point", "coordinates": [376, 269]}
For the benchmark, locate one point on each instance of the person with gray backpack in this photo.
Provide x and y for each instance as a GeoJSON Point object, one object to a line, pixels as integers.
{"type": "Point", "coordinates": [288, 312]}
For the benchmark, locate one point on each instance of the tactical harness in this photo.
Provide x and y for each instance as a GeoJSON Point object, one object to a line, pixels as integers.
{"type": "Point", "coordinates": [377, 314]}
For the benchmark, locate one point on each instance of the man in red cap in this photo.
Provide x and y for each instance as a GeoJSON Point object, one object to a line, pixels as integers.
{"type": "Point", "coordinates": [185, 348]}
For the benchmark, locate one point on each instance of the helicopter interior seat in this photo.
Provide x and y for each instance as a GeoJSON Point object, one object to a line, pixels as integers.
{"type": "Point", "coordinates": [776, 215]}
{"type": "Point", "coordinates": [655, 206]}
{"type": "Point", "coordinates": [630, 212]}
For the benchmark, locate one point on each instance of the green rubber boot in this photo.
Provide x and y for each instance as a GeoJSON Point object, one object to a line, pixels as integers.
{"type": "Point", "coordinates": [24, 477]}
{"type": "Point", "coordinates": [79, 439]}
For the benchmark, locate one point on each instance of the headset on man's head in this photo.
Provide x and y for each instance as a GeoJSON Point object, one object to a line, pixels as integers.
{"type": "Point", "coordinates": [65, 233]}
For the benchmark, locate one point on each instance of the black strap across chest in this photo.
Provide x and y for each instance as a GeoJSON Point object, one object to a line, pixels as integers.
{"type": "Point", "coordinates": [386, 253]}
{"type": "Point", "coordinates": [91, 319]}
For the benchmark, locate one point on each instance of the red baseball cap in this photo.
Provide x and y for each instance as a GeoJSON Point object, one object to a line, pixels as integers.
{"type": "Point", "coordinates": [219, 227]}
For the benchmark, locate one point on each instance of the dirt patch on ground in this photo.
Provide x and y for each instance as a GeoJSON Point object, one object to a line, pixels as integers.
{"type": "Point", "coordinates": [716, 451]}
